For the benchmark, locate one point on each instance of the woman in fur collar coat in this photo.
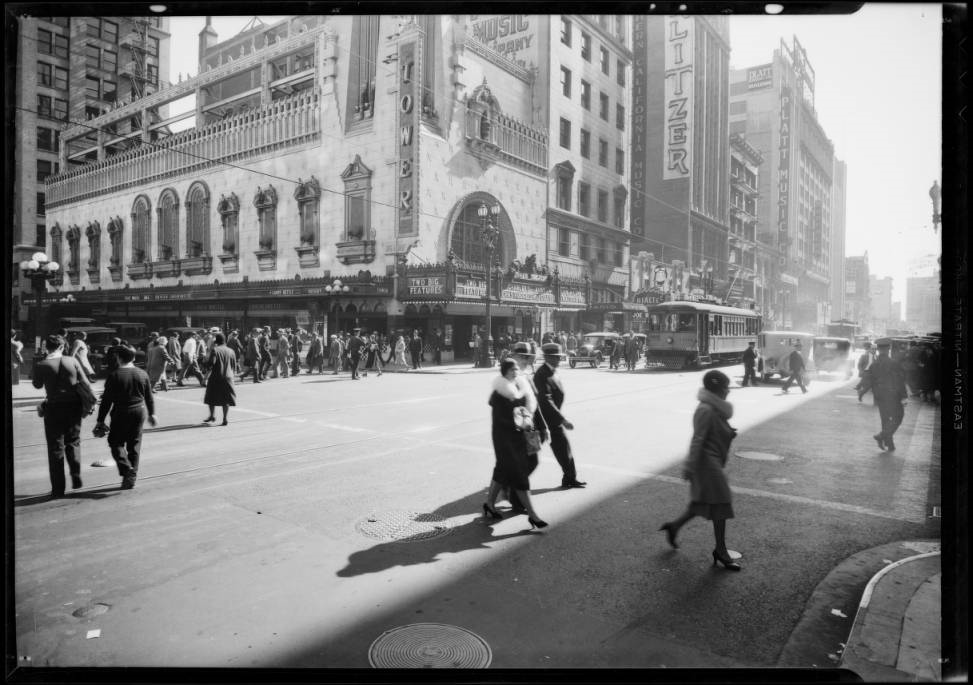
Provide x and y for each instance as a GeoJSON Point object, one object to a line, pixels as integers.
{"type": "Point", "coordinates": [708, 488]}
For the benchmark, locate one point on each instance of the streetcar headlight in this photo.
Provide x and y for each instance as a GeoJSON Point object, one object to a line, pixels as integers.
{"type": "Point", "coordinates": [669, 340]}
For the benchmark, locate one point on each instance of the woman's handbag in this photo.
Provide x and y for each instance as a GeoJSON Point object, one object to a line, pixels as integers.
{"type": "Point", "coordinates": [533, 439]}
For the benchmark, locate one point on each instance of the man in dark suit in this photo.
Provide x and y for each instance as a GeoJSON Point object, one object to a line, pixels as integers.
{"type": "Point", "coordinates": [415, 349]}
{"type": "Point", "coordinates": [355, 344]}
{"type": "Point", "coordinates": [550, 399]}
{"type": "Point", "coordinates": [888, 387]}
{"type": "Point", "coordinates": [796, 363]}
{"type": "Point", "coordinates": [750, 365]}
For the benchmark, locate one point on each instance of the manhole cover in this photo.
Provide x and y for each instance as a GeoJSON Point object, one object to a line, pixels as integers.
{"type": "Point", "coordinates": [759, 456]}
{"type": "Point", "coordinates": [429, 645]}
{"type": "Point", "coordinates": [403, 526]}
{"type": "Point", "coordinates": [780, 481]}
{"type": "Point", "coordinates": [90, 610]}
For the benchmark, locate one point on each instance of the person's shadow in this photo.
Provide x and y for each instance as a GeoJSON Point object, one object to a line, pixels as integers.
{"type": "Point", "coordinates": [421, 549]}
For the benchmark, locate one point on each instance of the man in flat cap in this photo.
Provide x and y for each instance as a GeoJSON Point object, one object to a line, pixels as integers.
{"type": "Point", "coordinates": [888, 388]}
{"type": "Point", "coordinates": [550, 399]}
{"type": "Point", "coordinates": [796, 364]}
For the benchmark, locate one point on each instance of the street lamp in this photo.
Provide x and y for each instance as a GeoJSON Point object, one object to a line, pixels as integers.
{"type": "Point", "coordinates": [39, 270]}
{"type": "Point", "coordinates": [336, 288]}
{"type": "Point", "coordinates": [489, 235]}
{"type": "Point", "coordinates": [935, 194]}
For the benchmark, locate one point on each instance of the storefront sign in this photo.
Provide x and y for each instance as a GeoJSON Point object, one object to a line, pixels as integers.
{"type": "Point", "coordinates": [509, 34]}
{"type": "Point", "coordinates": [760, 77]}
{"type": "Point", "coordinates": [528, 292]}
{"type": "Point", "coordinates": [426, 285]}
{"type": "Point", "coordinates": [677, 145]}
{"type": "Point", "coordinates": [783, 166]}
{"type": "Point", "coordinates": [408, 180]}
{"type": "Point", "coordinates": [639, 121]}
{"type": "Point", "coordinates": [470, 288]}
{"type": "Point", "coordinates": [571, 296]}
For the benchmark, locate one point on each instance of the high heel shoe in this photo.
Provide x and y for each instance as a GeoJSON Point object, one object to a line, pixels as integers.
{"type": "Point", "coordinates": [491, 512]}
{"type": "Point", "coordinates": [727, 562]}
{"type": "Point", "coordinates": [536, 523]}
{"type": "Point", "coordinates": [670, 534]}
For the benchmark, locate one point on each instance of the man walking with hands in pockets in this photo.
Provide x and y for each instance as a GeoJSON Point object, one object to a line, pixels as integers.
{"type": "Point", "coordinates": [550, 399]}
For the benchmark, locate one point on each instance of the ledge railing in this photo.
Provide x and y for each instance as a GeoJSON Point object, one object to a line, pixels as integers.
{"type": "Point", "coordinates": [283, 123]}
{"type": "Point", "coordinates": [517, 142]}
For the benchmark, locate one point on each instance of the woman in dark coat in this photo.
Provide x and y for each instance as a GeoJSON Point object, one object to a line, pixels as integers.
{"type": "Point", "coordinates": [708, 487]}
{"type": "Point", "coordinates": [219, 386]}
{"type": "Point", "coordinates": [512, 397]}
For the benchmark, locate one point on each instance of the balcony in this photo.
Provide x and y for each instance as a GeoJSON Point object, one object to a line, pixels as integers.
{"type": "Point", "coordinates": [741, 182]}
{"type": "Point", "coordinates": [355, 251]}
{"type": "Point", "coordinates": [505, 139]}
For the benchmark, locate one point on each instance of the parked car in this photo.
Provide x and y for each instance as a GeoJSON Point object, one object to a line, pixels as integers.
{"type": "Point", "coordinates": [833, 355]}
{"type": "Point", "coordinates": [132, 332]}
{"type": "Point", "coordinates": [594, 348]}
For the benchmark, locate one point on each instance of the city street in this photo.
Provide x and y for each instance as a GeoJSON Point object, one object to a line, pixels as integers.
{"type": "Point", "coordinates": [330, 512]}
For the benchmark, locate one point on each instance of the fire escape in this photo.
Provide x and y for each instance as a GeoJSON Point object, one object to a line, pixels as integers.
{"type": "Point", "coordinates": [136, 69]}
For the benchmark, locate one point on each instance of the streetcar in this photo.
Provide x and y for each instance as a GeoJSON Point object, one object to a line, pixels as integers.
{"type": "Point", "coordinates": [681, 335]}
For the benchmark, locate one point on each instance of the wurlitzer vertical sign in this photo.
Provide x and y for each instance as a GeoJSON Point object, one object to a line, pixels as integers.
{"type": "Point", "coordinates": [408, 139]}
{"type": "Point", "coordinates": [783, 166]}
{"type": "Point", "coordinates": [639, 121]}
{"type": "Point", "coordinates": [677, 149]}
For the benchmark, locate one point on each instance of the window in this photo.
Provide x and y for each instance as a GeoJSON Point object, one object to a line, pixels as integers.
{"type": "Point", "coordinates": [565, 134]}
{"type": "Point", "coordinates": [586, 47]}
{"type": "Point", "coordinates": [358, 189]}
{"type": "Point", "coordinates": [619, 117]}
{"type": "Point", "coordinates": [60, 78]}
{"type": "Point", "coordinates": [600, 251]}
{"type": "Point", "coordinates": [40, 234]}
{"type": "Point", "coordinates": [619, 254]}
{"type": "Point", "coordinates": [141, 230]}
{"type": "Point", "coordinates": [603, 152]}
{"type": "Point", "coordinates": [60, 46]}
{"type": "Point", "coordinates": [153, 47]}
{"type": "Point", "coordinates": [566, 82]}
{"type": "Point", "coordinates": [620, 72]}
{"type": "Point", "coordinates": [92, 87]}
{"type": "Point", "coordinates": [603, 106]}
{"type": "Point", "coordinates": [266, 203]}
{"type": "Point", "coordinates": [308, 196]}
{"type": "Point", "coordinates": [109, 60]}
{"type": "Point", "coordinates": [564, 192]}
{"type": "Point", "coordinates": [152, 74]}
{"type": "Point", "coordinates": [109, 30]}
{"type": "Point", "coordinates": [168, 211]}
{"type": "Point", "coordinates": [619, 160]}
{"type": "Point", "coordinates": [45, 74]}
{"type": "Point", "coordinates": [45, 42]}
{"type": "Point", "coordinates": [108, 90]}
{"type": "Point", "coordinates": [619, 218]}
{"type": "Point", "coordinates": [197, 221]}
{"type": "Point", "coordinates": [605, 61]}
{"type": "Point", "coordinates": [585, 247]}
{"type": "Point", "coordinates": [362, 69]}
{"type": "Point", "coordinates": [620, 28]}
{"type": "Point", "coordinates": [60, 109]}
{"type": "Point", "coordinates": [586, 95]}
{"type": "Point", "coordinates": [584, 198]}
{"type": "Point", "coordinates": [566, 31]}
{"type": "Point", "coordinates": [41, 208]}
{"type": "Point", "coordinates": [586, 143]}
{"type": "Point", "coordinates": [94, 29]}
{"type": "Point", "coordinates": [92, 56]}
{"type": "Point", "coordinates": [602, 205]}
{"type": "Point", "coordinates": [44, 106]}
{"type": "Point", "coordinates": [45, 168]}
{"type": "Point", "coordinates": [564, 242]}
{"type": "Point", "coordinates": [466, 242]}
{"type": "Point", "coordinates": [93, 233]}
{"type": "Point", "coordinates": [47, 139]}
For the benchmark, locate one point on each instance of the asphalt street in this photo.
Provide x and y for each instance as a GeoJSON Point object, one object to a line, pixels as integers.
{"type": "Point", "coordinates": [330, 514]}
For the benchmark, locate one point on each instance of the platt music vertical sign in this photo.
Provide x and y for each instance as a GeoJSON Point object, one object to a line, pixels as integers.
{"type": "Point", "coordinates": [784, 168]}
{"type": "Point", "coordinates": [678, 143]}
{"type": "Point", "coordinates": [408, 131]}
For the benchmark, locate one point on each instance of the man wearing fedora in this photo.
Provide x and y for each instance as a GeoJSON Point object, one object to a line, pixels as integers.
{"type": "Point", "coordinates": [796, 363]}
{"type": "Point", "coordinates": [550, 399]}
{"type": "Point", "coordinates": [355, 344]}
{"type": "Point", "coordinates": [888, 388]}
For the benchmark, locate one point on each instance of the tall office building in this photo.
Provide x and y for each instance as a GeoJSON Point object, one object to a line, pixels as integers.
{"type": "Point", "coordinates": [857, 299]}
{"type": "Point", "coordinates": [69, 70]}
{"type": "Point", "coordinates": [772, 104]}
{"type": "Point", "coordinates": [923, 304]}
{"type": "Point", "coordinates": [839, 201]}
{"type": "Point", "coordinates": [880, 293]}
{"type": "Point", "coordinates": [680, 151]}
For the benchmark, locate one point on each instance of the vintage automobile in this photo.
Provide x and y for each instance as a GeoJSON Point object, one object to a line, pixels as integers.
{"type": "Point", "coordinates": [833, 355]}
{"type": "Point", "coordinates": [593, 348]}
{"type": "Point", "coordinates": [774, 349]}
{"type": "Point", "coordinates": [98, 339]}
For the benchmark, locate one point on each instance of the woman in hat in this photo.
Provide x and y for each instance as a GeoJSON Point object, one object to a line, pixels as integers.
{"type": "Point", "coordinates": [513, 403]}
{"type": "Point", "coordinates": [219, 385]}
{"type": "Point", "coordinates": [708, 488]}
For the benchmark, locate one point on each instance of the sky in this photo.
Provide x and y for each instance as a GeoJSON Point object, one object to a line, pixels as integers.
{"type": "Point", "coordinates": [878, 97]}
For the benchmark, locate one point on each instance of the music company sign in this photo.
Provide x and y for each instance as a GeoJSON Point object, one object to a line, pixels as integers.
{"type": "Point", "coordinates": [639, 122]}
{"type": "Point", "coordinates": [677, 148]}
{"type": "Point", "coordinates": [760, 77]}
{"type": "Point", "coordinates": [783, 165]}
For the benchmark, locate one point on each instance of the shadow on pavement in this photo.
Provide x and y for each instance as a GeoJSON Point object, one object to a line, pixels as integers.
{"type": "Point", "coordinates": [177, 427]}
{"type": "Point", "coordinates": [102, 493]}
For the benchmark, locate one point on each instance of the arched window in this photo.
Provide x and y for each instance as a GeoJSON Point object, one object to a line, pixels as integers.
{"type": "Point", "coordinates": [467, 242]}
{"type": "Point", "coordinates": [73, 236]}
{"type": "Point", "coordinates": [141, 230]}
{"type": "Point", "coordinates": [229, 209]}
{"type": "Point", "coordinates": [115, 229]}
{"type": "Point", "coordinates": [266, 203]}
{"type": "Point", "coordinates": [197, 221]}
{"type": "Point", "coordinates": [308, 196]}
{"type": "Point", "coordinates": [168, 211]}
{"type": "Point", "coordinates": [358, 191]}
{"type": "Point", "coordinates": [56, 235]}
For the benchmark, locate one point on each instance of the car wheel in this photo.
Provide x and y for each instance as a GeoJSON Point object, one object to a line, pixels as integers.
{"type": "Point", "coordinates": [573, 363]}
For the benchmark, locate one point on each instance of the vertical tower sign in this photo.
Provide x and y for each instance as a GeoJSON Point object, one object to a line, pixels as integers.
{"type": "Point", "coordinates": [408, 178]}
{"type": "Point", "coordinates": [783, 166]}
{"type": "Point", "coordinates": [677, 152]}
{"type": "Point", "coordinates": [639, 120]}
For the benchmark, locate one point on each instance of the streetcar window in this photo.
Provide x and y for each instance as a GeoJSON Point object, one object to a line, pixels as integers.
{"type": "Point", "coordinates": [654, 322]}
